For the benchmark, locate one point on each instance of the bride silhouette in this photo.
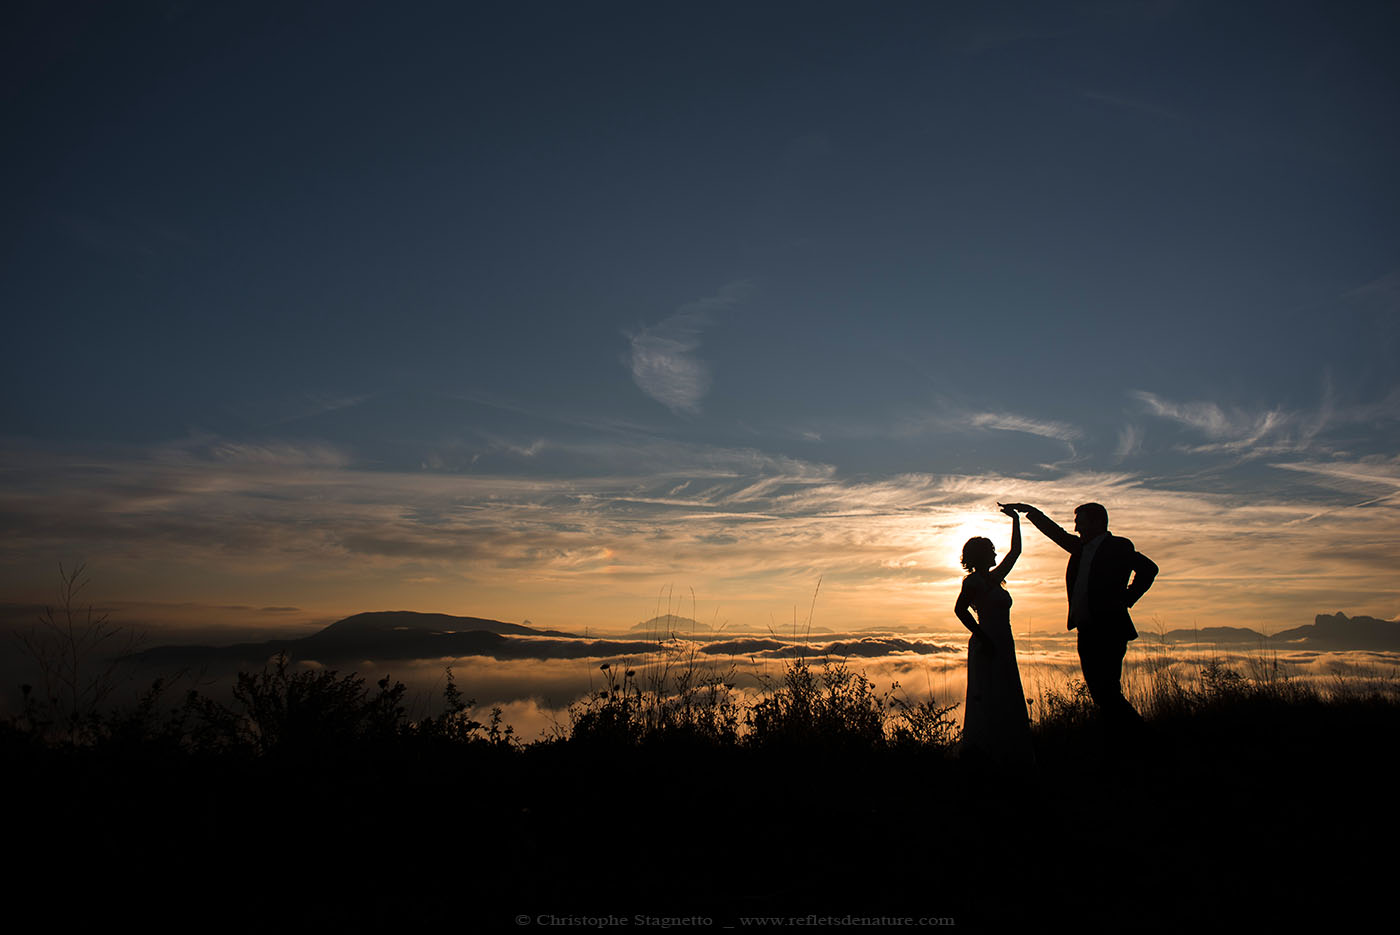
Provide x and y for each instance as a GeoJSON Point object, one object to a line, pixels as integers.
{"type": "Point", "coordinates": [995, 726]}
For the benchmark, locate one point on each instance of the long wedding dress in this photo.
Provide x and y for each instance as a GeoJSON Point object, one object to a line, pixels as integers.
{"type": "Point", "coordinates": [995, 724]}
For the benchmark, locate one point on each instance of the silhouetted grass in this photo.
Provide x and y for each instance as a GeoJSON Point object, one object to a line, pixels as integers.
{"type": "Point", "coordinates": [309, 797]}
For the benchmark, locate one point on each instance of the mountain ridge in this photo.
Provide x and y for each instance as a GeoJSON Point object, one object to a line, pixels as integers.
{"type": "Point", "coordinates": [1327, 631]}
{"type": "Point", "coordinates": [385, 634]}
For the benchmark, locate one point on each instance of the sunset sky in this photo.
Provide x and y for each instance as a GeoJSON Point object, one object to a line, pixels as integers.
{"type": "Point", "coordinates": [533, 310]}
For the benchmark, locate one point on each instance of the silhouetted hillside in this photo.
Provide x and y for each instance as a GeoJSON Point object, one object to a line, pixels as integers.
{"type": "Point", "coordinates": [208, 774]}
{"type": "Point", "coordinates": [671, 623]}
{"type": "Point", "coordinates": [668, 624]}
{"type": "Point", "coordinates": [1338, 631]}
{"type": "Point", "coordinates": [1329, 631]}
{"type": "Point", "coordinates": [1215, 635]}
{"type": "Point", "coordinates": [398, 634]}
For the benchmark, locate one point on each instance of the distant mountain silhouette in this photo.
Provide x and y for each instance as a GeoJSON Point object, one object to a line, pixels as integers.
{"type": "Point", "coordinates": [671, 623]}
{"type": "Point", "coordinates": [868, 647]}
{"type": "Point", "coordinates": [1338, 631]}
{"type": "Point", "coordinates": [1329, 631]}
{"type": "Point", "coordinates": [395, 634]}
{"type": "Point", "coordinates": [1215, 635]}
{"type": "Point", "coordinates": [406, 635]}
{"type": "Point", "coordinates": [667, 624]}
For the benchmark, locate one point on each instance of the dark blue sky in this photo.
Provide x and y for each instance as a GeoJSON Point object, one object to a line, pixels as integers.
{"type": "Point", "coordinates": [1156, 241]}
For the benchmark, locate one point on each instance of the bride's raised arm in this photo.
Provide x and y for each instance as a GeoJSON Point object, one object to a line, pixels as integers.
{"type": "Point", "coordinates": [1000, 572]}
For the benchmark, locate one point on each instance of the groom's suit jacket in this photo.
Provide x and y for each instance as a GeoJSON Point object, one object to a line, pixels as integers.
{"type": "Point", "coordinates": [1110, 592]}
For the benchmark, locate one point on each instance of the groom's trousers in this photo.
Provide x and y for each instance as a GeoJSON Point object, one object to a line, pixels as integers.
{"type": "Point", "coordinates": [1101, 659]}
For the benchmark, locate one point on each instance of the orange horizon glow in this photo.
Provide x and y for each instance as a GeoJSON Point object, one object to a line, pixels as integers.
{"type": "Point", "coordinates": [214, 534]}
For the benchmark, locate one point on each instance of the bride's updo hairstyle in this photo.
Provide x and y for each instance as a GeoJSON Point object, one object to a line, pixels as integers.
{"type": "Point", "coordinates": [978, 554]}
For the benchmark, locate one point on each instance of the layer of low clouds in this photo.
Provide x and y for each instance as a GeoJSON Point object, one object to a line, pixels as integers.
{"type": "Point", "coordinates": [535, 695]}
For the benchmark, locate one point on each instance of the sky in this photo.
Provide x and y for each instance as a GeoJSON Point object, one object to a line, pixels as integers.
{"type": "Point", "coordinates": [574, 312]}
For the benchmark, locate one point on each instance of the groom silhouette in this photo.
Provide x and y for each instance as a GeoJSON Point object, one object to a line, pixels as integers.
{"type": "Point", "coordinates": [1100, 593]}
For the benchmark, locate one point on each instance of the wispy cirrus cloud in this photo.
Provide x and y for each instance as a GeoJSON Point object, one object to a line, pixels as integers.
{"type": "Point", "coordinates": [1368, 475]}
{"type": "Point", "coordinates": [1375, 479]}
{"type": "Point", "coordinates": [951, 417]}
{"type": "Point", "coordinates": [1061, 432]}
{"type": "Point", "coordinates": [1384, 288]}
{"type": "Point", "coordinates": [1242, 431]}
{"type": "Point", "coordinates": [286, 409]}
{"type": "Point", "coordinates": [662, 356]}
{"type": "Point", "coordinates": [1130, 439]}
{"type": "Point", "coordinates": [1327, 437]}
{"type": "Point", "coordinates": [1010, 422]}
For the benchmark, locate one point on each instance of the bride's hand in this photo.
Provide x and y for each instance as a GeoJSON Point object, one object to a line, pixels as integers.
{"type": "Point", "coordinates": [1009, 509]}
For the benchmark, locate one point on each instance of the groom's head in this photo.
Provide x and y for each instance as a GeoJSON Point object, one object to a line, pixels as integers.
{"type": "Point", "coordinates": [1090, 519]}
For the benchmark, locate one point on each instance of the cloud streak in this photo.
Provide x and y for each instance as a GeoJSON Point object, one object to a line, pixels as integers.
{"type": "Point", "coordinates": [1009, 422]}
{"type": "Point", "coordinates": [1263, 432]}
{"type": "Point", "coordinates": [1232, 430]}
{"type": "Point", "coordinates": [662, 356]}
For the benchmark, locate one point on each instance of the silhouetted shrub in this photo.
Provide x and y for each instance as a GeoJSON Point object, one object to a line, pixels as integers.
{"type": "Point", "coordinates": [679, 702]}
{"type": "Point", "coordinates": [611, 716]}
{"type": "Point", "coordinates": [455, 725]}
{"type": "Point", "coordinates": [924, 724]}
{"type": "Point", "coordinates": [1068, 708]}
{"type": "Point", "coordinates": [78, 656]}
{"type": "Point", "coordinates": [1219, 682]}
{"type": "Point", "coordinates": [837, 708]}
{"type": "Point", "coordinates": [300, 712]}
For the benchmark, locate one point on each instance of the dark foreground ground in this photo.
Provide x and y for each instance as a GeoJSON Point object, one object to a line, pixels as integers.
{"type": "Point", "coordinates": [1248, 815]}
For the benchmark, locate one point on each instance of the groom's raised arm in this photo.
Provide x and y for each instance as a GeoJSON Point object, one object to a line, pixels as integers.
{"type": "Point", "coordinates": [1052, 530]}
